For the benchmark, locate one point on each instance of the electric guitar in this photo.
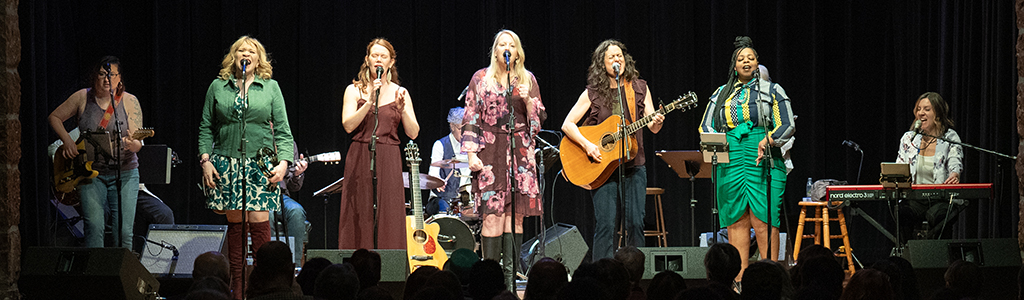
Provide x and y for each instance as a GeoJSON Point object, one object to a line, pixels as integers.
{"type": "Point", "coordinates": [68, 174]}
{"type": "Point", "coordinates": [589, 174]}
{"type": "Point", "coordinates": [421, 242]}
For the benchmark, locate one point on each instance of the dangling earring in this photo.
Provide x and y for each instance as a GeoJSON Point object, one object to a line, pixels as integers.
{"type": "Point", "coordinates": [368, 74]}
{"type": "Point", "coordinates": [389, 75]}
{"type": "Point", "coordinates": [736, 73]}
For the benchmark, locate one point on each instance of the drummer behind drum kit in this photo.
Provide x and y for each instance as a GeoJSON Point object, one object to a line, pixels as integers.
{"type": "Point", "coordinates": [460, 225]}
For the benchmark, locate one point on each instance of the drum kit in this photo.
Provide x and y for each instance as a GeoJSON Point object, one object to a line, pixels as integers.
{"type": "Point", "coordinates": [460, 224]}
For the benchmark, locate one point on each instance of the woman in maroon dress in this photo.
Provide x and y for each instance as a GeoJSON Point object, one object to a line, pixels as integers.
{"type": "Point", "coordinates": [355, 226]}
{"type": "Point", "coordinates": [486, 139]}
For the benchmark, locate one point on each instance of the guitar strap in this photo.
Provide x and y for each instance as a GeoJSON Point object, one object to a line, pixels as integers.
{"type": "Point", "coordinates": [110, 108]}
{"type": "Point", "coordinates": [630, 101]}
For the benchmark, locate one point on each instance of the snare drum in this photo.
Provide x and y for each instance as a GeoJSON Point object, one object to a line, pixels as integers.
{"type": "Point", "coordinates": [454, 233]}
{"type": "Point", "coordinates": [467, 207]}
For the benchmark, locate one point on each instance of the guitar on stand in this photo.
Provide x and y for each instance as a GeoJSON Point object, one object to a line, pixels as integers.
{"type": "Point", "coordinates": [586, 173]}
{"type": "Point", "coordinates": [422, 246]}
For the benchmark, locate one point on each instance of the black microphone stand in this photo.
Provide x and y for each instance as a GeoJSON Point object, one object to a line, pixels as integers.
{"type": "Point", "coordinates": [769, 166]}
{"type": "Point", "coordinates": [511, 170]}
{"type": "Point", "coordinates": [117, 157]}
{"type": "Point", "coordinates": [373, 159]}
{"type": "Point", "coordinates": [245, 178]}
{"type": "Point", "coordinates": [623, 158]}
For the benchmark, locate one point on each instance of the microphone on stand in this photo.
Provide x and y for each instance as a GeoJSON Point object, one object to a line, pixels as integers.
{"type": "Point", "coordinates": [917, 127]}
{"type": "Point", "coordinates": [380, 71]}
{"type": "Point", "coordinates": [245, 64]}
{"type": "Point", "coordinates": [853, 145]}
{"type": "Point", "coordinates": [546, 144]}
{"type": "Point", "coordinates": [463, 95]}
{"type": "Point", "coordinates": [615, 67]}
{"type": "Point", "coordinates": [507, 55]}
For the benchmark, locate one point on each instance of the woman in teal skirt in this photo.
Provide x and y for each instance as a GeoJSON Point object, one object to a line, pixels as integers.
{"type": "Point", "coordinates": [739, 109]}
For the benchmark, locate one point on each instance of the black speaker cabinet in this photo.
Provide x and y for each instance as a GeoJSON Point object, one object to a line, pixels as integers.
{"type": "Point", "coordinates": [85, 273]}
{"type": "Point", "coordinates": [189, 240]}
{"type": "Point", "coordinates": [982, 252]}
{"type": "Point", "coordinates": [394, 263]}
{"type": "Point", "coordinates": [562, 242]}
{"type": "Point", "coordinates": [687, 261]}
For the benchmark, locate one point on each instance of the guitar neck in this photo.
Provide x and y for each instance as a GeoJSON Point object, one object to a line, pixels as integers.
{"type": "Point", "coordinates": [633, 127]}
{"type": "Point", "coordinates": [414, 187]}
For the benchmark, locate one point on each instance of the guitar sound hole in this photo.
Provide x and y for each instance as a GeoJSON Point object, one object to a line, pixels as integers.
{"type": "Point", "coordinates": [419, 236]}
{"type": "Point", "coordinates": [607, 141]}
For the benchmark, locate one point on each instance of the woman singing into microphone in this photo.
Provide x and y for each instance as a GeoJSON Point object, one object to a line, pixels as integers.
{"type": "Point", "coordinates": [485, 138]}
{"type": "Point", "coordinates": [377, 80]}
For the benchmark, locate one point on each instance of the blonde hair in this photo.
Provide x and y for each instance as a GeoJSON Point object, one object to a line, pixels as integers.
{"type": "Point", "coordinates": [263, 68]}
{"type": "Point", "coordinates": [518, 66]}
{"type": "Point", "coordinates": [364, 78]}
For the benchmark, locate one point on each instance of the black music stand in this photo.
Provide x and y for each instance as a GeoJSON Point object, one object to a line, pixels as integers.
{"type": "Point", "coordinates": [688, 164]}
{"type": "Point", "coordinates": [715, 148]}
{"type": "Point", "coordinates": [326, 192]}
{"type": "Point", "coordinates": [895, 177]}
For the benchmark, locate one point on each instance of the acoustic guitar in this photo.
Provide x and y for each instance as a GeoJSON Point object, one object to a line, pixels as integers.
{"type": "Point", "coordinates": [68, 174]}
{"type": "Point", "coordinates": [584, 172]}
{"type": "Point", "coordinates": [421, 241]}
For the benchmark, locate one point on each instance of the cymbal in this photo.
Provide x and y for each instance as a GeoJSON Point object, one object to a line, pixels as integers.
{"type": "Point", "coordinates": [450, 164]}
{"type": "Point", "coordinates": [426, 181]}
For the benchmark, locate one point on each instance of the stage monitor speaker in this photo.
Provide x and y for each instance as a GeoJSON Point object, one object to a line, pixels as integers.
{"type": "Point", "coordinates": [562, 242]}
{"type": "Point", "coordinates": [394, 263]}
{"type": "Point", "coordinates": [982, 252]}
{"type": "Point", "coordinates": [687, 261]}
{"type": "Point", "coordinates": [85, 273]}
{"type": "Point", "coordinates": [189, 240]}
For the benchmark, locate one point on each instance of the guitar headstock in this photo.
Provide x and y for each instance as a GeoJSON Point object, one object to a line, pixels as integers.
{"type": "Point", "coordinates": [412, 153]}
{"type": "Point", "coordinates": [142, 133]}
{"type": "Point", "coordinates": [327, 158]}
{"type": "Point", "coordinates": [684, 102]}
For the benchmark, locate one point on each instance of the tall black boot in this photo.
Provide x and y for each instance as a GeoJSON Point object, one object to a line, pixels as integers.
{"type": "Point", "coordinates": [490, 248]}
{"type": "Point", "coordinates": [508, 258]}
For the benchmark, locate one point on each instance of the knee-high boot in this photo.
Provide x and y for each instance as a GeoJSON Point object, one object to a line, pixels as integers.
{"type": "Point", "coordinates": [490, 248]}
{"type": "Point", "coordinates": [509, 258]}
{"type": "Point", "coordinates": [236, 258]}
{"type": "Point", "coordinates": [260, 234]}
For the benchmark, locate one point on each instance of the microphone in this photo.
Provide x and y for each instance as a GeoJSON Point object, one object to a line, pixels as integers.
{"type": "Point", "coordinates": [165, 245]}
{"type": "Point", "coordinates": [917, 126]}
{"type": "Point", "coordinates": [245, 65]}
{"type": "Point", "coordinates": [464, 91]}
{"type": "Point", "coordinates": [852, 144]}
{"type": "Point", "coordinates": [546, 144]}
{"type": "Point", "coordinates": [380, 71]}
{"type": "Point", "coordinates": [615, 67]}
{"type": "Point", "coordinates": [507, 54]}
{"type": "Point", "coordinates": [106, 67]}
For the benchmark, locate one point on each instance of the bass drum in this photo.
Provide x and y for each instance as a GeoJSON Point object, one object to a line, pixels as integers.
{"type": "Point", "coordinates": [454, 233]}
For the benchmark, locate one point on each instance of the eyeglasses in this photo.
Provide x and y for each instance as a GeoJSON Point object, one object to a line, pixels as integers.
{"type": "Point", "coordinates": [102, 74]}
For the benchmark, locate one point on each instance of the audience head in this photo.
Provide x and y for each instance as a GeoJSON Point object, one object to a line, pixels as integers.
{"type": "Point", "coordinates": [209, 283]}
{"type": "Point", "coordinates": [766, 279]}
{"type": "Point", "coordinates": [460, 262]}
{"type": "Point", "coordinates": [274, 269]}
{"type": "Point", "coordinates": [722, 263]}
{"type": "Point", "coordinates": [418, 280]}
{"type": "Point", "coordinates": [868, 284]}
{"type": "Point", "coordinates": [611, 275]}
{"type": "Point", "coordinates": [633, 260]}
{"type": "Point", "coordinates": [546, 278]}
{"type": "Point", "coordinates": [908, 279]}
{"type": "Point", "coordinates": [446, 280]}
{"type": "Point", "coordinates": [367, 266]}
{"type": "Point", "coordinates": [337, 281]}
{"type": "Point", "coordinates": [665, 285]}
{"type": "Point", "coordinates": [821, 277]}
{"type": "Point", "coordinates": [375, 293]}
{"type": "Point", "coordinates": [211, 263]}
{"type": "Point", "coordinates": [207, 294]}
{"type": "Point", "coordinates": [486, 279]}
{"type": "Point", "coordinates": [964, 278]}
{"type": "Point", "coordinates": [310, 270]}
{"type": "Point", "coordinates": [584, 288]}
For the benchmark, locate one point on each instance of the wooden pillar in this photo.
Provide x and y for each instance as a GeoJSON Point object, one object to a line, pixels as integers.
{"type": "Point", "coordinates": [10, 150]}
{"type": "Point", "coordinates": [1019, 8]}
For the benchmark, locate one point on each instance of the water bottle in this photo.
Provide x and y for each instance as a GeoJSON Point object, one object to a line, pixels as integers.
{"type": "Point", "coordinates": [810, 184]}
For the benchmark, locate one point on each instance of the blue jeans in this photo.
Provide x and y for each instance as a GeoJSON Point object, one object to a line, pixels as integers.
{"type": "Point", "coordinates": [99, 203]}
{"type": "Point", "coordinates": [606, 208]}
{"type": "Point", "coordinates": [295, 222]}
{"type": "Point", "coordinates": [149, 210]}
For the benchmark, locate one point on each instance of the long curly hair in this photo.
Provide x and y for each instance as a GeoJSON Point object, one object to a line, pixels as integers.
{"type": "Point", "coordinates": [263, 68]}
{"type": "Point", "coordinates": [597, 77]}
{"type": "Point", "coordinates": [365, 76]}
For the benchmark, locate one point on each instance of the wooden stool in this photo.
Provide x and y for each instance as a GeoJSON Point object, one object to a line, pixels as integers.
{"type": "Point", "coordinates": [659, 230]}
{"type": "Point", "coordinates": [821, 219]}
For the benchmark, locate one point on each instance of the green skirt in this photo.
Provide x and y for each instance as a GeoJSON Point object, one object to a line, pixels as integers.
{"type": "Point", "coordinates": [741, 183]}
{"type": "Point", "coordinates": [227, 195]}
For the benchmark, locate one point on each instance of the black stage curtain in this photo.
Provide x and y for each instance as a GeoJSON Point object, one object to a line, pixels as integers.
{"type": "Point", "coordinates": [852, 69]}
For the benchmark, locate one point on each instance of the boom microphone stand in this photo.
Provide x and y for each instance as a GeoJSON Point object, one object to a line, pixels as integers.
{"type": "Point", "coordinates": [623, 155]}
{"type": "Point", "coordinates": [373, 158]}
{"type": "Point", "coordinates": [245, 178]}
{"type": "Point", "coordinates": [769, 166]}
{"type": "Point", "coordinates": [511, 170]}
{"type": "Point", "coordinates": [117, 158]}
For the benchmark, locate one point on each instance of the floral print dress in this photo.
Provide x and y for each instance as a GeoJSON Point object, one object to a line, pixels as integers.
{"type": "Point", "coordinates": [485, 132]}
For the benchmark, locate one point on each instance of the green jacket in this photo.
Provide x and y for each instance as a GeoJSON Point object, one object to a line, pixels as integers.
{"type": "Point", "coordinates": [220, 128]}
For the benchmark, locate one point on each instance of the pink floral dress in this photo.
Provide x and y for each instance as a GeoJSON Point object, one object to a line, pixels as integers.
{"type": "Point", "coordinates": [485, 131]}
